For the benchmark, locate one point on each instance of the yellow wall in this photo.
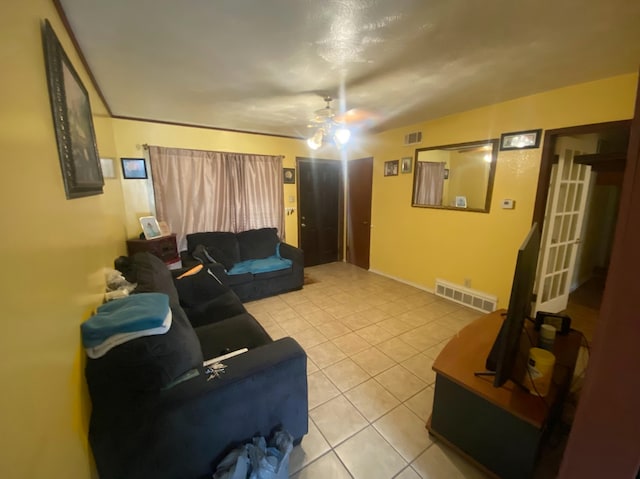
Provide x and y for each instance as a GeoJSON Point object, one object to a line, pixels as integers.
{"type": "Point", "coordinates": [418, 245]}
{"type": "Point", "coordinates": [52, 255]}
{"type": "Point", "coordinates": [130, 135]}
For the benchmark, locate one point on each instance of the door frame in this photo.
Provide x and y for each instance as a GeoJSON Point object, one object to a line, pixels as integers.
{"type": "Point", "coordinates": [548, 158]}
{"type": "Point", "coordinates": [341, 238]}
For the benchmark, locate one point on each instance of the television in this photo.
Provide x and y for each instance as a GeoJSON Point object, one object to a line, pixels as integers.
{"type": "Point", "coordinates": [504, 353]}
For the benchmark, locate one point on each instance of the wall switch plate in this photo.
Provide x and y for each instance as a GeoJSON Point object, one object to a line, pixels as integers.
{"type": "Point", "coordinates": [508, 204]}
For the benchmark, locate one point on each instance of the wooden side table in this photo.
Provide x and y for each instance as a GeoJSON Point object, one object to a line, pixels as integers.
{"type": "Point", "coordinates": [164, 248]}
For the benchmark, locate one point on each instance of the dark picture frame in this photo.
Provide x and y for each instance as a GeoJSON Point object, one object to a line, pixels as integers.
{"type": "Point", "coordinates": [72, 121]}
{"type": "Point", "coordinates": [391, 168]}
{"type": "Point", "coordinates": [134, 168]}
{"type": "Point", "coordinates": [289, 175]}
{"type": "Point", "coordinates": [520, 140]}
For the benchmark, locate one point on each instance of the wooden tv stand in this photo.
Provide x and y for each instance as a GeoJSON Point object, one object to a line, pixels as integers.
{"type": "Point", "coordinates": [501, 429]}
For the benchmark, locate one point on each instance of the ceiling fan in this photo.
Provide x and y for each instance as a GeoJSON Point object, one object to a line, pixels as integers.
{"type": "Point", "coordinates": [330, 124]}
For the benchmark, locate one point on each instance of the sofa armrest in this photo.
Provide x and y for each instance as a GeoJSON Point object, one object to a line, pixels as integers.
{"type": "Point", "coordinates": [186, 430]}
{"type": "Point", "coordinates": [291, 252]}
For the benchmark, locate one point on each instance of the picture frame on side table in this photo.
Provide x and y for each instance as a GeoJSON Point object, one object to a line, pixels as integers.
{"type": "Point", "coordinates": [72, 121]}
{"type": "Point", "coordinates": [134, 168]}
{"type": "Point", "coordinates": [150, 227]}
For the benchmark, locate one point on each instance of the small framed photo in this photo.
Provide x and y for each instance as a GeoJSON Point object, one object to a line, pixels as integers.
{"type": "Point", "coordinates": [289, 175]}
{"type": "Point", "coordinates": [406, 164]}
{"type": "Point", "coordinates": [520, 140]}
{"type": "Point", "coordinates": [461, 201]}
{"type": "Point", "coordinates": [134, 168]}
{"type": "Point", "coordinates": [446, 173]}
{"type": "Point", "coordinates": [391, 168]}
{"type": "Point", "coordinates": [108, 171]}
{"type": "Point", "coordinates": [150, 227]}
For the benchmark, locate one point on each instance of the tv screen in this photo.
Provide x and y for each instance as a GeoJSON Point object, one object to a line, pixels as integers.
{"type": "Point", "coordinates": [503, 354]}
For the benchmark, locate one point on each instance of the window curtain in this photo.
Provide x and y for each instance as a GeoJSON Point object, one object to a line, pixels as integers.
{"type": "Point", "coordinates": [429, 183]}
{"type": "Point", "coordinates": [198, 190]}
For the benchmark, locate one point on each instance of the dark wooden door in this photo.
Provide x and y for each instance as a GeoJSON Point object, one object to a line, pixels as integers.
{"type": "Point", "coordinates": [359, 183]}
{"type": "Point", "coordinates": [320, 204]}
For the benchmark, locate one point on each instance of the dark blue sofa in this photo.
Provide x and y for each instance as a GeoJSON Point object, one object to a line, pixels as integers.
{"type": "Point", "coordinates": [254, 263]}
{"type": "Point", "coordinates": [155, 414]}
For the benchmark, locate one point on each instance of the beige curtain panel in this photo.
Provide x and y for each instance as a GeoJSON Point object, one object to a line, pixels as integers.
{"type": "Point", "coordinates": [198, 190]}
{"type": "Point", "coordinates": [429, 183]}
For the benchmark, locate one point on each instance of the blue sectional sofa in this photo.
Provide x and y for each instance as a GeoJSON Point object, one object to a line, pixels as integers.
{"type": "Point", "coordinates": [157, 412]}
{"type": "Point", "coordinates": [253, 263]}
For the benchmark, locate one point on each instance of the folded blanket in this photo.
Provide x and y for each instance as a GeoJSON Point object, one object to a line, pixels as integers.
{"type": "Point", "coordinates": [111, 342]}
{"type": "Point", "coordinates": [137, 312]}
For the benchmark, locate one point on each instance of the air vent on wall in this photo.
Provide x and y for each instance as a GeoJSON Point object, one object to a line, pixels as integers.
{"type": "Point", "coordinates": [413, 138]}
{"type": "Point", "coordinates": [467, 297]}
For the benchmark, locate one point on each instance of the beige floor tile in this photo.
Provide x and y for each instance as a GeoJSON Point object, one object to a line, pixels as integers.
{"type": "Point", "coordinates": [424, 337]}
{"type": "Point", "coordinates": [333, 329]}
{"type": "Point", "coordinates": [355, 321]}
{"type": "Point", "coordinates": [312, 447]}
{"type": "Point", "coordinates": [374, 334]}
{"type": "Point", "coordinates": [328, 466]}
{"type": "Point", "coordinates": [421, 366]}
{"type": "Point", "coordinates": [440, 462]}
{"type": "Point", "coordinates": [435, 350]}
{"type": "Point", "coordinates": [320, 389]}
{"type": "Point", "coordinates": [400, 382]}
{"type": "Point", "coordinates": [311, 367]}
{"type": "Point", "coordinates": [405, 431]}
{"type": "Point", "coordinates": [317, 317]}
{"type": "Point", "coordinates": [422, 403]}
{"type": "Point", "coordinates": [394, 308]}
{"type": "Point", "coordinates": [276, 332]}
{"type": "Point", "coordinates": [408, 473]}
{"type": "Point", "coordinates": [338, 420]}
{"type": "Point", "coordinates": [372, 400]}
{"type": "Point", "coordinates": [395, 326]}
{"type": "Point", "coordinates": [373, 361]}
{"type": "Point", "coordinates": [307, 308]}
{"type": "Point", "coordinates": [294, 325]}
{"type": "Point", "coordinates": [350, 343]}
{"type": "Point", "coordinates": [368, 456]}
{"type": "Point", "coordinates": [309, 337]}
{"type": "Point", "coordinates": [397, 349]}
{"type": "Point", "coordinates": [325, 354]}
{"type": "Point", "coordinates": [346, 374]}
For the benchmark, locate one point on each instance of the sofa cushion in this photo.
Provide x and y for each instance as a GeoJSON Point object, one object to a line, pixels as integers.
{"type": "Point", "coordinates": [238, 332]}
{"type": "Point", "coordinates": [257, 244]}
{"type": "Point", "coordinates": [264, 265]}
{"type": "Point", "coordinates": [148, 363]}
{"type": "Point", "coordinates": [152, 276]}
{"type": "Point", "coordinates": [220, 245]}
{"type": "Point", "coordinates": [205, 299]}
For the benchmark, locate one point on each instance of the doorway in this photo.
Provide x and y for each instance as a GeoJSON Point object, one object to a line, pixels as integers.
{"type": "Point", "coordinates": [320, 206]}
{"type": "Point", "coordinates": [359, 184]}
{"type": "Point", "coordinates": [572, 273]}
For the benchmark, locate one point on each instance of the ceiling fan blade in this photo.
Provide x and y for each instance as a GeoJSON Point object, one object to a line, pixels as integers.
{"type": "Point", "coordinates": [356, 115]}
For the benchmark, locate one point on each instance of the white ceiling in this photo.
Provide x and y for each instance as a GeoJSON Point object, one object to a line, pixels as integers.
{"type": "Point", "coordinates": [264, 65]}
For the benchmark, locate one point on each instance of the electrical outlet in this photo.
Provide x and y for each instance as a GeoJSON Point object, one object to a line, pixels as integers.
{"type": "Point", "coordinates": [508, 204]}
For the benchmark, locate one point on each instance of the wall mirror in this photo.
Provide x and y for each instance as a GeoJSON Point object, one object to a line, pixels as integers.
{"type": "Point", "coordinates": [458, 177]}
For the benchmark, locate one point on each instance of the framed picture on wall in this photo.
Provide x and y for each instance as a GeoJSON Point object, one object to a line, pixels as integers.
{"type": "Point", "coordinates": [72, 121]}
{"type": "Point", "coordinates": [391, 168]}
{"type": "Point", "coordinates": [289, 175]}
{"type": "Point", "coordinates": [406, 165]}
{"type": "Point", "coordinates": [461, 201]}
{"type": "Point", "coordinates": [134, 168]}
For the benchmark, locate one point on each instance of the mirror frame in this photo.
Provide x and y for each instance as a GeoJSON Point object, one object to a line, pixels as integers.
{"type": "Point", "coordinates": [492, 171]}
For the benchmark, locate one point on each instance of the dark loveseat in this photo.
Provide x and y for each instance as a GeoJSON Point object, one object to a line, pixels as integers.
{"type": "Point", "coordinates": [253, 263]}
{"type": "Point", "coordinates": [155, 413]}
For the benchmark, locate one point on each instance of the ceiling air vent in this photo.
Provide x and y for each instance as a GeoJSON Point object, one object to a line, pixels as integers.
{"type": "Point", "coordinates": [413, 138]}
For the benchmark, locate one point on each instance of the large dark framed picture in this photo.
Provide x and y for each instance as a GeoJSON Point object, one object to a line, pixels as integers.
{"type": "Point", "coordinates": [72, 120]}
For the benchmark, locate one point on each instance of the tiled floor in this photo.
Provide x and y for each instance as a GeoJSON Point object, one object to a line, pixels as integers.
{"type": "Point", "coordinates": [370, 343]}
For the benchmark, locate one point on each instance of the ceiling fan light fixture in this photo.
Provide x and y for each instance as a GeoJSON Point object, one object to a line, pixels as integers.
{"type": "Point", "coordinates": [315, 141]}
{"type": "Point", "coordinates": [341, 136]}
